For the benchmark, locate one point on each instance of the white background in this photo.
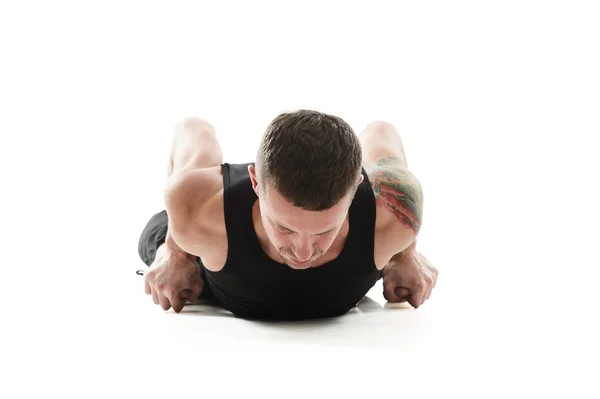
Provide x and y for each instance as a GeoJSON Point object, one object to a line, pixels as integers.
{"type": "Point", "coordinates": [498, 105]}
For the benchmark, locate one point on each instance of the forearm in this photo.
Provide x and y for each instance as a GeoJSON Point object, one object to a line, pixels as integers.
{"type": "Point", "coordinates": [194, 146]}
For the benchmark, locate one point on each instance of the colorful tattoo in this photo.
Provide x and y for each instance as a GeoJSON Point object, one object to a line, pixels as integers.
{"type": "Point", "coordinates": [397, 190]}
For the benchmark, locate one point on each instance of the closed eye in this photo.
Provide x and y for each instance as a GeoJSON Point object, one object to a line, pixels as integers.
{"type": "Point", "coordinates": [284, 230]}
{"type": "Point", "coordinates": [288, 231]}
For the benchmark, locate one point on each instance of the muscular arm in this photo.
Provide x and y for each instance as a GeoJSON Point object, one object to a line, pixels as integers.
{"type": "Point", "coordinates": [399, 200]}
{"type": "Point", "coordinates": [407, 274]}
{"type": "Point", "coordinates": [399, 192]}
{"type": "Point", "coordinates": [189, 198]}
{"type": "Point", "coordinates": [194, 148]}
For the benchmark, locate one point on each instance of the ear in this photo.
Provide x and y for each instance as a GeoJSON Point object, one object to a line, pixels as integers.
{"type": "Point", "coordinates": [252, 172]}
{"type": "Point", "coordinates": [360, 178]}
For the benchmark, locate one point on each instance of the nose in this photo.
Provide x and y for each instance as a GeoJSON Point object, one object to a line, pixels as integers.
{"type": "Point", "coordinates": [303, 250]}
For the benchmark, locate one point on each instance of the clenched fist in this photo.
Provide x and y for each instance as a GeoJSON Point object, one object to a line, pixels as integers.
{"type": "Point", "coordinates": [409, 277]}
{"type": "Point", "coordinates": [172, 279]}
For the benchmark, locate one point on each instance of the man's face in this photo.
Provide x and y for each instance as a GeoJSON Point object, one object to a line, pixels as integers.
{"type": "Point", "coordinates": [301, 237]}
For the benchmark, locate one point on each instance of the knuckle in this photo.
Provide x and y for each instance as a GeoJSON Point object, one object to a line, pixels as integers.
{"type": "Point", "coordinates": [386, 295]}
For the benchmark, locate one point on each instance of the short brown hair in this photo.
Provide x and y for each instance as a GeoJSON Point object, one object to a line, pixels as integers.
{"type": "Point", "coordinates": [312, 159]}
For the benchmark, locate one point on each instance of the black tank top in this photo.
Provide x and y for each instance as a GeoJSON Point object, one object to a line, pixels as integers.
{"type": "Point", "coordinates": [251, 285]}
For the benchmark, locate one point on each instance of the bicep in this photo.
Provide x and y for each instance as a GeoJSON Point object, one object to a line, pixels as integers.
{"type": "Point", "coordinates": [186, 195]}
{"type": "Point", "coordinates": [399, 199]}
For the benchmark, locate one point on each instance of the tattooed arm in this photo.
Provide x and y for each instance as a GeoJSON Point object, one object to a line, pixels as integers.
{"type": "Point", "coordinates": [399, 200]}
{"type": "Point", "coordinates": [407, 275]}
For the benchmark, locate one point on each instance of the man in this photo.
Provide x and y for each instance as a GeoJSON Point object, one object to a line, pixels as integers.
{"type": "Point", "coordinates": [303, 232]}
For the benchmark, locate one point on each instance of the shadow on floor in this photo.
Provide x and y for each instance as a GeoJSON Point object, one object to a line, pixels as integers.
{"type": "Point", "coordinates": [366, 305]}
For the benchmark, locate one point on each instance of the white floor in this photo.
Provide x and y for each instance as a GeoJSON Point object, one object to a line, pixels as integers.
{"type": "Point", "coordinates": [498, 332]}
{"type": "Point", "coordinates": [497, 105]}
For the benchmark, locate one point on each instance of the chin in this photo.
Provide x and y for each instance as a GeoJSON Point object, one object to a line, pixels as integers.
{"type": "Point", "coordinates": [299, 266]}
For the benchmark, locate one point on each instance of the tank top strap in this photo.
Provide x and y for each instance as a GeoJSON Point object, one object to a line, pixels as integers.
{"type": "Point", "coordinates": [238, 197]}
{"type": "Point", "coordinates": [360, 246]}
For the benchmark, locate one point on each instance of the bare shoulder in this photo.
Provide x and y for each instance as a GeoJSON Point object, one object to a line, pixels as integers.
{"type": "Point", "coordinates": [399, 199]}
{"type": "Point", "coordinates": [194, 203]}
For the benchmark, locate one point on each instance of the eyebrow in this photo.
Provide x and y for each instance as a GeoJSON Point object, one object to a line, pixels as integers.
{"type": "Point", "coordinates": [290, 230]}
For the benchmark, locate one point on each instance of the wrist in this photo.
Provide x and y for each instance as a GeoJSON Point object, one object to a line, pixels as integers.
{"type": "Point", "coordinates": [171, 248]}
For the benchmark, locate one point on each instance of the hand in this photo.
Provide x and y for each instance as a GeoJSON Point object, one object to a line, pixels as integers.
{"type": "Point", "coordinates": [409, 277]}
{"type": "Point", "coordinates": [172, 279]}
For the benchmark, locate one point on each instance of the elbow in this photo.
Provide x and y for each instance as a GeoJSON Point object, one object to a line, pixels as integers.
{"type": "Point", "coordinates": [195, 123]}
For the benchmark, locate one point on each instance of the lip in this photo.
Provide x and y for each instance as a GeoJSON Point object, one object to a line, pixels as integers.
{"type": "Point", "coordinates": [298, 263]}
